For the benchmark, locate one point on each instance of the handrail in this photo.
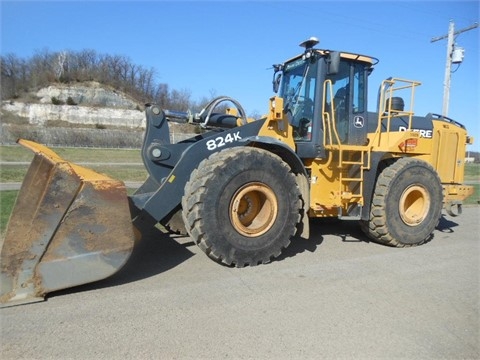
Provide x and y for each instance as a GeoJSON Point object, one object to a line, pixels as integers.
{"type": "Point", "coordinates": [327, 123]}
{"type": "Point", "coordinates": [330, 116]}
{"type": "Point", "coordinates": [387, 91]}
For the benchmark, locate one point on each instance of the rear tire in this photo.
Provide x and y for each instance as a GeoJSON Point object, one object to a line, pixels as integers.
{"type": "Point", "coordinates": [241, 206]}
{"type": "Point", "coordinates": [406, 205]}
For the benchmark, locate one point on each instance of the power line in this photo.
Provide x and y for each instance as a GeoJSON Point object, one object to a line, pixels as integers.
{"type": "Point", "coordinates": [455, 33]}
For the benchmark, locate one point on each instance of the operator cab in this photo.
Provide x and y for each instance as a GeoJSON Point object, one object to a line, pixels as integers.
{"type": "Point", "coordinates": [321, 87]}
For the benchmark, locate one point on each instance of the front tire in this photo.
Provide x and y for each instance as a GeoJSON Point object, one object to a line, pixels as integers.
{"type": "Point", "coordinates": [241, 206]}
{"type": "Point", "coordinates": [406, 204]}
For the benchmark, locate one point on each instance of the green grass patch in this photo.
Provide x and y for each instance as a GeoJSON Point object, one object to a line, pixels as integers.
{"type": "Point", "coordinates": [127, 172]}
{"type": "Point", "coordinates": [473, 199]}
{"type": "Point", "coordinates": [472, 172]}
{"type": "Point", "coordinates": [100, 155]}
{"type": "Point", "coordinates": [15, 153]}
{"type": "Point", "coordinates": [123, 173]}
{"type": "Point", "coordinates": [19, 153]}
{"type": "Point", "coordinates": [7, 201]}
{"type": "Point", "coordinates": [16, 173]}
{"type": "Point", "coordinates": [13, 173]}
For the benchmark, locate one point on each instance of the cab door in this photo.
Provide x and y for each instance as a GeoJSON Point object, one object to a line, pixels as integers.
{"type": "Point", "coordinates": [349, 105]}
{"type": "Point", "coordinates": [357, 128]}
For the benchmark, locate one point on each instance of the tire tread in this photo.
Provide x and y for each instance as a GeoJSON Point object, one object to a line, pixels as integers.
{"type": "Point", "coordinates": [377, 227]}
{"type": "Point", "coordinates": [193, 204]}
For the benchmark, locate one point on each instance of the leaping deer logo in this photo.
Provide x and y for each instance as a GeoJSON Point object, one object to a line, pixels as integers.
{"type": "Point", "coordinates": [358, 122]}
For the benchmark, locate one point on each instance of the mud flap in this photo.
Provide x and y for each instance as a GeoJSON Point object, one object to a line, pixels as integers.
{"type": "Point", "coordinates": [70, 226]}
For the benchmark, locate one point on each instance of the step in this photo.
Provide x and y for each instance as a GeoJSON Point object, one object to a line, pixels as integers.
{"type": "Point", "coordinates": [352, 179]}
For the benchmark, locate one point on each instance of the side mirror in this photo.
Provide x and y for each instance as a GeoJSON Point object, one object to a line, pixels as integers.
{"type": "Point", "coordinates": [276, 82]}
{"type": "Point", "coordinates": [333, 63]}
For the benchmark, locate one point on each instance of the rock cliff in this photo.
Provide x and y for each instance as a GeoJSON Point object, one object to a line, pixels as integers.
{"type": "Point", "coordinates": [48, 114]}
{"type": "Point", "coordinates": [91, 104]}
{"type": "Point", "coordinates": [87, 94]}
{"type": "Point", "coordinates": [86, 114]}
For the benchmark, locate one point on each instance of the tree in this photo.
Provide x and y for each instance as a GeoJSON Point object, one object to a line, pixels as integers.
{"type": "Point", "coordinates": [14, 73]}
{"type": "Point", "coordinates": [117, 71]}
{"type": "Point", "coordinates": [59, 67]}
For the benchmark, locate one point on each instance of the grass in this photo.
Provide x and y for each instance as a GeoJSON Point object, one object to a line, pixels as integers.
{"type": "Point", "coordinates": [18, 153]}
{"type": "Point", "coordinates": [13, 173]}
{"type": "Point", "coordinates": [122, 172]}
{"type": "Point", "coordinates": [7, 201]}
{"type": "Point", "coordinates": [475, 198]}
{"type": "Point", "coordinates": [472, 172]}
{"type": "Point", "coordinates": [15, 153]}
{"type": "Point", "coordinates": [126, 172]}
{"type": "Point", "coordinates": [472, 176]}
{"type": "Point", "coordinates": [16, 173]}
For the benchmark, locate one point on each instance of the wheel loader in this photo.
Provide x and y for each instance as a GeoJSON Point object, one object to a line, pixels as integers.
{"type": "Point", "coordinates": [245, 188]}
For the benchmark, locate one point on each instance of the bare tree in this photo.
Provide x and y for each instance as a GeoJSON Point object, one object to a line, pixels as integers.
{"type": "Point", "coordinates": [59, 67]}
{"type": "Point", "coordinates": [41, 65]}
{"type": "Point", "coordinates": [118, 71]}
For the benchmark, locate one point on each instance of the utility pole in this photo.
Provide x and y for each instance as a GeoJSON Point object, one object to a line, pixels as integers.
{"type": "Point", "coordinates": [454, 56]}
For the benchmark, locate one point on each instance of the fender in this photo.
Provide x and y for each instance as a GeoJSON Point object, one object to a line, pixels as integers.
{"type": "Point", "coordinates": [170, 165]}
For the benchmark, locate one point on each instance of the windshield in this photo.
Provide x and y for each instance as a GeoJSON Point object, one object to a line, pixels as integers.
{"type": "Point", "coordinates": [298, 92]}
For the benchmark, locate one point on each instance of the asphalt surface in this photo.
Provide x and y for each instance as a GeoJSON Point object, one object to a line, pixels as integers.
{"type": "Point", "coordinates": [336, 296]}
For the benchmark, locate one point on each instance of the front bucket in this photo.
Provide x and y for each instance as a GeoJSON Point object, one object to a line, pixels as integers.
{"type": "Point", "coordinates": [70, 226]}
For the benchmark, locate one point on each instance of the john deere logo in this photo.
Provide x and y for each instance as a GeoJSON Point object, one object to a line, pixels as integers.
{"type": "Point", "coordinates": [358, 122]}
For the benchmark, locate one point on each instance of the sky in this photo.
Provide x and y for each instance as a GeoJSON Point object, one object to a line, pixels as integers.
{"type": "Point", "coordinates": [228, 47]}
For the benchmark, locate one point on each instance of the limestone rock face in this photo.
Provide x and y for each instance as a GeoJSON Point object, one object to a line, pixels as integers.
{"type": "Point", "coordinates": [95, 105]}
{"type": "Point", "coordinates": [102, 117]}
{"type": "Point", "coordinates": [41, 114]}
{"type": "Point", "coordinates": [87, 94]}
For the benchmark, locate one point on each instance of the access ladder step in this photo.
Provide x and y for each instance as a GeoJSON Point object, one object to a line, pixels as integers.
{"type": "Point", "coordinates": [349, 195]}
{"type": "Point", "coordinates": [352, 162]}
{"type": "Point", "coordinates": [352, 179]}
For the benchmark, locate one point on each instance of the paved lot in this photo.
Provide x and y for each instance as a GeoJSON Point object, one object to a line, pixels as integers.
{"type": "Point", "coordinates": [335, 296]}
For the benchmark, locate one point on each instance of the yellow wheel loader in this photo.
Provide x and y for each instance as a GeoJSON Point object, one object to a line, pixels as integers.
{"type": "Point", "coordinates": [244, 189]}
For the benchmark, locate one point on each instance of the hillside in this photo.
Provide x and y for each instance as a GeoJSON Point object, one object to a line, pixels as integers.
{"type": "Point", "coordinates": [80, 114]}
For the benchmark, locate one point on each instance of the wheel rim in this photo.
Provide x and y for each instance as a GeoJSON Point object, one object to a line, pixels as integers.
{"type": "Point", "coordinates": [253, 209]}
{"type": "Point", "coordinates": [414, 205]}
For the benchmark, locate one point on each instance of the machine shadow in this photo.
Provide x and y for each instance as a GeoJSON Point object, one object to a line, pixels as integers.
{"type": "Point", "coordinates": [445, 225]}
{"type": "Point", "coordinates": [155, 253]}
{"type": "Point", "coordinates": [346, 231]}
{"type": "Point", "coordinates": [158, 251]}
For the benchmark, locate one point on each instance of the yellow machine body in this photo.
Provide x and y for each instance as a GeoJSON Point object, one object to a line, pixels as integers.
{"type": "Point", "coordinates": [243, 190]}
